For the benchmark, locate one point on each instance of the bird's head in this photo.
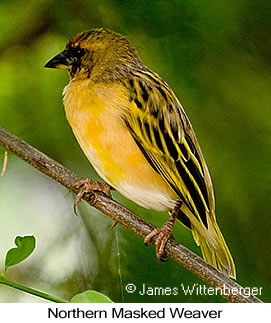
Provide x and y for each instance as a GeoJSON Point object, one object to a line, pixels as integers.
{"type": "Point", "coordinates": [99, 54]}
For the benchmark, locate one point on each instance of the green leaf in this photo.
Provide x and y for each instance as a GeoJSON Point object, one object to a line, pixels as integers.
{"type": "Point", "coordinates": [25, 246]}
{"type": "Point", "coordinates": [90, 296]}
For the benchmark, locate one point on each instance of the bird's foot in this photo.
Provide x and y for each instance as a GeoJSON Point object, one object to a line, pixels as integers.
{"type": "Point", "coordinates": [87, 186]}
{"type": "Point", "coordinates": [163, 234]}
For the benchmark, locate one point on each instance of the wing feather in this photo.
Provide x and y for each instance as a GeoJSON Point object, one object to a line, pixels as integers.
{"type": "Point", "coordinates": [164, 134]}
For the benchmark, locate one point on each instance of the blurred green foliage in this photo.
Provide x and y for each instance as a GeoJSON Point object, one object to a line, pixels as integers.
{"type": "Point", "coordinates": [216, 57]}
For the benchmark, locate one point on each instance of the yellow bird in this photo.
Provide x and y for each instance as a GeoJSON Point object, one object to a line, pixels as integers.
{"type": "Point", "coordinates": [135, 133]}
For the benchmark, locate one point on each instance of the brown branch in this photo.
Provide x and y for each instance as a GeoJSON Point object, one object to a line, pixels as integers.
{"type": "Point", "coordinates": [119, 213]}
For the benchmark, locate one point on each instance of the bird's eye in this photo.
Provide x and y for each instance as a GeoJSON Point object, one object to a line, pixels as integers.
{"type": "Point", "coordinates": [79, 52]}
{"type": "Point", "coordinates": [76, 52]}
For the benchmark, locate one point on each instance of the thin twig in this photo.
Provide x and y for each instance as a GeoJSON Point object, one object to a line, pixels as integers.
{"type": "Point", "coordinates": [122, 215]}
{"type": "Point", "coordinates": [5, 162]}
{"type": "Point", "coordinates": [31, 291]}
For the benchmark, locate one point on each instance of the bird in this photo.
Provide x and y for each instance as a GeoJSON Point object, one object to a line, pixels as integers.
{"type": "Point", "coordinates": [137, 136]}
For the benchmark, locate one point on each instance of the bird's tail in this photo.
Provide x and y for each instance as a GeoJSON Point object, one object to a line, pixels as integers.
{"type": "Point", "coordinates": [214, 248]}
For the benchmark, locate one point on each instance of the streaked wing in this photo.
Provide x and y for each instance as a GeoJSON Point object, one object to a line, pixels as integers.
{"type": "Point", "coordinates": [165, 136]}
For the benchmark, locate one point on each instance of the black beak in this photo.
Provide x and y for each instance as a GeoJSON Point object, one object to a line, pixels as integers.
{"type": "Point", "coordinates": [60, 61]}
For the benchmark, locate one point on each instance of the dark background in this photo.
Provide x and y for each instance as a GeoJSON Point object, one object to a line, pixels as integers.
{"type": "Point", "coordinates": [216, 57]}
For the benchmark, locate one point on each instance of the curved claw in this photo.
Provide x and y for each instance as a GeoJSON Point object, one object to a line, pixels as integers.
{"type": "Point", "coordinates": [88, 186]}
{"type": "Point", "coordinates": [163, 234]}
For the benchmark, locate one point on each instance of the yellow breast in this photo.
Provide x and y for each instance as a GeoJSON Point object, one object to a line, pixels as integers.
{"type": "Point", "coordinates": [94, 112]}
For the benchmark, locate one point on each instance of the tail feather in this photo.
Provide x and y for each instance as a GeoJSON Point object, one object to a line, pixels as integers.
{"type": "Point", "coordinates": [217, 254]}
{"type": "Point", "coordinates": [213, 246]}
